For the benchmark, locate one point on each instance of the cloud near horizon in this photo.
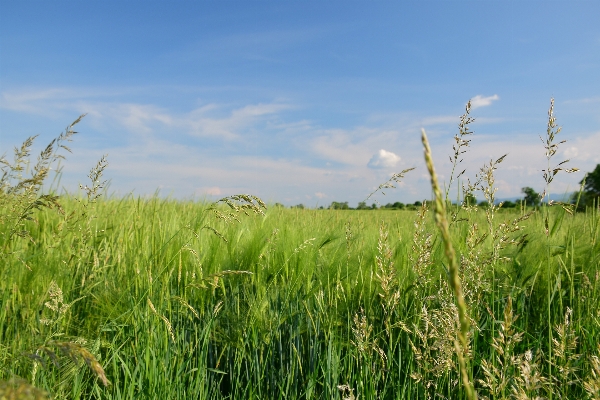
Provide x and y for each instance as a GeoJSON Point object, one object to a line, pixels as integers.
{"type": "Point", "coordinates": [383, 159]}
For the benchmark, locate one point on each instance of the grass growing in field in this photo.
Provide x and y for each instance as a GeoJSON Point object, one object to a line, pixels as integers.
{"type": "Point", "coordinates": [157, 298]}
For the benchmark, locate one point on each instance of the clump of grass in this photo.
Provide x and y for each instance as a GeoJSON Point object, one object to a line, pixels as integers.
{"type": "Point", "coordinates": [592, 383]}
{"type": "Point", "coordinates": [238, 204]}
{"type": "Point", "coordinates": [564, 347]}
{"type": "Point", "coordinates": [370, 358]}
{"type": "Point", "coordinates": [76, 352]}
{"type": "Point", "coordinates": [73, 350]}
{"type": "Point", "coordinates": [20, 196]}
{"type": "Point", "coordinates": [507, 373]}
{"type": "Point", "coordinates": [20, 389]}
{"type": "Point", "coordinates": [434, 347]}
{"type": "Point", "coordinates": [387, 277]}
{"type": "Point", "coordinates": [422, 248]}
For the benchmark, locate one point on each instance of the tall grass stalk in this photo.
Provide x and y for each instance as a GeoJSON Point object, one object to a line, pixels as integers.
{"type": "Point", "coordinates": [442, 223]}
{"type": "Point", "coordinates": [551, 147]}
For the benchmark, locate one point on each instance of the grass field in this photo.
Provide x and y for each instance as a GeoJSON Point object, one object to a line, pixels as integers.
{"type": "Point", "coordinates": [154, 298]}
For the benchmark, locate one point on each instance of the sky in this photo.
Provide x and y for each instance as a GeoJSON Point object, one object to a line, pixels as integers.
{"type": "Point", "coordinates": [301, 102]}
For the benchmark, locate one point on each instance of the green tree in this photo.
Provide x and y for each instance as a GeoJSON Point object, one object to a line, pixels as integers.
{"type": "Point", "coordinates": [591, 189]}
{"type": "Point", "coordinates": [335, 205]}
{"type": "Point", "coordinates": [509, 204]}
{"type": "Point", "coordinates": [398, 205]}
{"type": "Point", "coordinates": [470, 199]}
{"type": "Point", "coordinates": [362, 206]}
{"type": "Point", "coordinates": [532, 198]}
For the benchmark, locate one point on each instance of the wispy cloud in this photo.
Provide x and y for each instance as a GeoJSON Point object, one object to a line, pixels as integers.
{"type": "Point", "coordinates": [45, 102]}
{"type": "Point", "coordinates": [480, 101]}
{"type": "Point", "coordinates": [338, 146]}
{"type": "Point", "coordinates": [263, 45]}
{"type": "Point", "coordinates": [439, 120]}
{"type": "Point", "coordinates": [211, 191]}
{"type": "Point", "coordinates": [586, 100]}
{"type": "Point", "coordinates": [198, 123]}
{"type": "Point", "coordinates": [209, 120]}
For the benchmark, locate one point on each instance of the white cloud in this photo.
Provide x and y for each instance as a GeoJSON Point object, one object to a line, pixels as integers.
{"type": "Point", "coordinates": [320, 195]}
{"type": "Point", "coordinates": [384, 159]}
{"type": "Point", "coordinates": [582, 151]}
{"type": "Point", "coordinates": [212, 191]}
{"type": "Point", "coordinates": [480, 101]}
{"type": "Point", "coordinates": [571, 152]}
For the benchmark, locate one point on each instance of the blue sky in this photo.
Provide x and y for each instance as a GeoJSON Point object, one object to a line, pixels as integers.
{"type": "Point", "coordinates": [300, 101]}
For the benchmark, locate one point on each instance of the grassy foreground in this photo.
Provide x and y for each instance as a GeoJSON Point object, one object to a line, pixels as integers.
{"type": "Point", "coordinates": [296, 304]}
{"type": "Point", "coordinates": [161, 299]}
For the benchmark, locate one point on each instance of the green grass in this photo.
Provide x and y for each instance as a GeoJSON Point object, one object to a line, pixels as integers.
{"type": "Point", "coordinates": [285, 328]}
{"type": "Point", "coordinates": [146, 298]}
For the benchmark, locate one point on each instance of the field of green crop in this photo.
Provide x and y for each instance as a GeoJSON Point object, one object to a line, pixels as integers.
{"type": "Point", "coordinates": [152, 298]}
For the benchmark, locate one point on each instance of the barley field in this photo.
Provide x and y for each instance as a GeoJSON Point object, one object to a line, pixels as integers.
{"type": "Point", "coordinates": [154, 298]}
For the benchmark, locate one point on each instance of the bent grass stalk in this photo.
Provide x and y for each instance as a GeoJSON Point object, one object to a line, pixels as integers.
{"type": "Point", "coordinates": [442, 223]}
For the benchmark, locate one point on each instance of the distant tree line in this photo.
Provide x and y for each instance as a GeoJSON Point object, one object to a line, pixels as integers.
{"type": "Point", "coordinates": [343, 205]}
{"type": "Point", "coordinates": [589, 196]}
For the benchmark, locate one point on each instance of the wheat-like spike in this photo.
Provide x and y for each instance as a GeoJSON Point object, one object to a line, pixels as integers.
{"type": "Point", "coordinates": [186, 304]}
{"type": "Point", "coordinates": [165, 320]}
{"type": "Point", "coordinates": [76, 352]}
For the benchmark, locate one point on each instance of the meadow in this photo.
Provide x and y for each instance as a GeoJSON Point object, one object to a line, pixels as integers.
{"type": "Point", "coordinates": [154, 298]}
